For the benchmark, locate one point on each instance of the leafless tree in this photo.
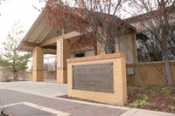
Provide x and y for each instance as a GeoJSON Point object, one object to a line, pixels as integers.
{"type": "Point", "coordinates": [158, 22]}
{"type": "Point", "coordinates": [96, 16]}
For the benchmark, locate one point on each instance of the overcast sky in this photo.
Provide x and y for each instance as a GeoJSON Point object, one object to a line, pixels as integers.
{"type": "Point", "coordinates": [19, 12]}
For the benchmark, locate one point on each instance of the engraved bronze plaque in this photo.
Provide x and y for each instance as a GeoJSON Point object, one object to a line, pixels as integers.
{"type": "Point", "coordinates": [93, 77]}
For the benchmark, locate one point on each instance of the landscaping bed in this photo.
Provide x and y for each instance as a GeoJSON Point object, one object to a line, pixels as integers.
{"type": "Point", "coordinates": [152, 98]}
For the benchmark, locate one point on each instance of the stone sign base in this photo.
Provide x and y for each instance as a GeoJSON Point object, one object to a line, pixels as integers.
{"type": "Point", "coordinates": [98, 78]}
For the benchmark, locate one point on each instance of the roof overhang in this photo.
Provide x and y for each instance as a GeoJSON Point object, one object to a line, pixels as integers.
{"type": "Point", "coordinates": [39, 32]}
{"type": "Point", "coordinates": [42, 34]}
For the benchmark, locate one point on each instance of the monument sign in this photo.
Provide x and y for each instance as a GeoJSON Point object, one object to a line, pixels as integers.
{"type": "Point", "coordinates": [98, 78]}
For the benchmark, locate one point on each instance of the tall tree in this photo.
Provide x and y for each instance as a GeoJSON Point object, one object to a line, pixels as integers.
{"type": "Point", "coordinates": [96, 16]}
{"type": "Point", "coordinates": [158, 22]}
{"type": "Point", "coordinates": [10, 58]}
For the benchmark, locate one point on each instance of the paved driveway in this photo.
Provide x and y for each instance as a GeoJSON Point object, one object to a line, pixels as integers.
{"type": "Point", "coordinates": [43, 94]}
{"type": "Point", "coordinates": [72, 108]}
{"type": "Point", "coordinates": [38, 88]}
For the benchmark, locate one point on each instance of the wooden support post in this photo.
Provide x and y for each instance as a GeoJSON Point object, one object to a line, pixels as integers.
{"type": "Point", "coordinates": [63, 53]}
{"type": "Point", "coordinates": [37, 71]}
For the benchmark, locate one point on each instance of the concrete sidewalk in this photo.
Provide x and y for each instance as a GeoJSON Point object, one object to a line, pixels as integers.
{"type": "Point", "coordinates": [140, 112]}
{"type": "Point", "coordinates": [37, 88]}
{"type": "Point", "coordinates": [44, 94]}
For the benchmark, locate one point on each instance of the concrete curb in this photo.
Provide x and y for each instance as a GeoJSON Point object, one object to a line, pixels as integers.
{"type": "Point", "coordinates": [141, 112]}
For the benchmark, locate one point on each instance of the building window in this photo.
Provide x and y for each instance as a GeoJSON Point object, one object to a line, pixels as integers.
{"type": "Point", "coordinates": [83, 53]}
{"type": "Point", "coordinates": [80, 54]}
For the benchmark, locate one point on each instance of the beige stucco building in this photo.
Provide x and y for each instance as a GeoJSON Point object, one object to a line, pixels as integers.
{"type": "Point", "coordinates": [43, 39]}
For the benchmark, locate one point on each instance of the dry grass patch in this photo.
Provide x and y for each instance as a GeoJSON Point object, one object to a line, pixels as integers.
{"type": "Point", "coordinates": [152, 98]}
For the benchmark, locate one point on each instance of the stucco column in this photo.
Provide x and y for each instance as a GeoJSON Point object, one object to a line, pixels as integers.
{"type": "Point", "coordinates": [37, 70]}
{"type": "Point", "coordinates": [100, 48]}
{"type": "Point", "coordinates": [63, 53]}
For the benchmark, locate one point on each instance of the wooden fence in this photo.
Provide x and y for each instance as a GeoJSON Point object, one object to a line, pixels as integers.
{"type": "Point", "coordinates": [148, 73]}
{"type": "Point", "coordinates": [6, 75]}
{"type": "Point", "coordinates": [143, 74]}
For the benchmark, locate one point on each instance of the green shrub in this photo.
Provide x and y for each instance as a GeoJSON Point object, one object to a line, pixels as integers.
{"type": "Point", "coordinates": [140, 101]}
